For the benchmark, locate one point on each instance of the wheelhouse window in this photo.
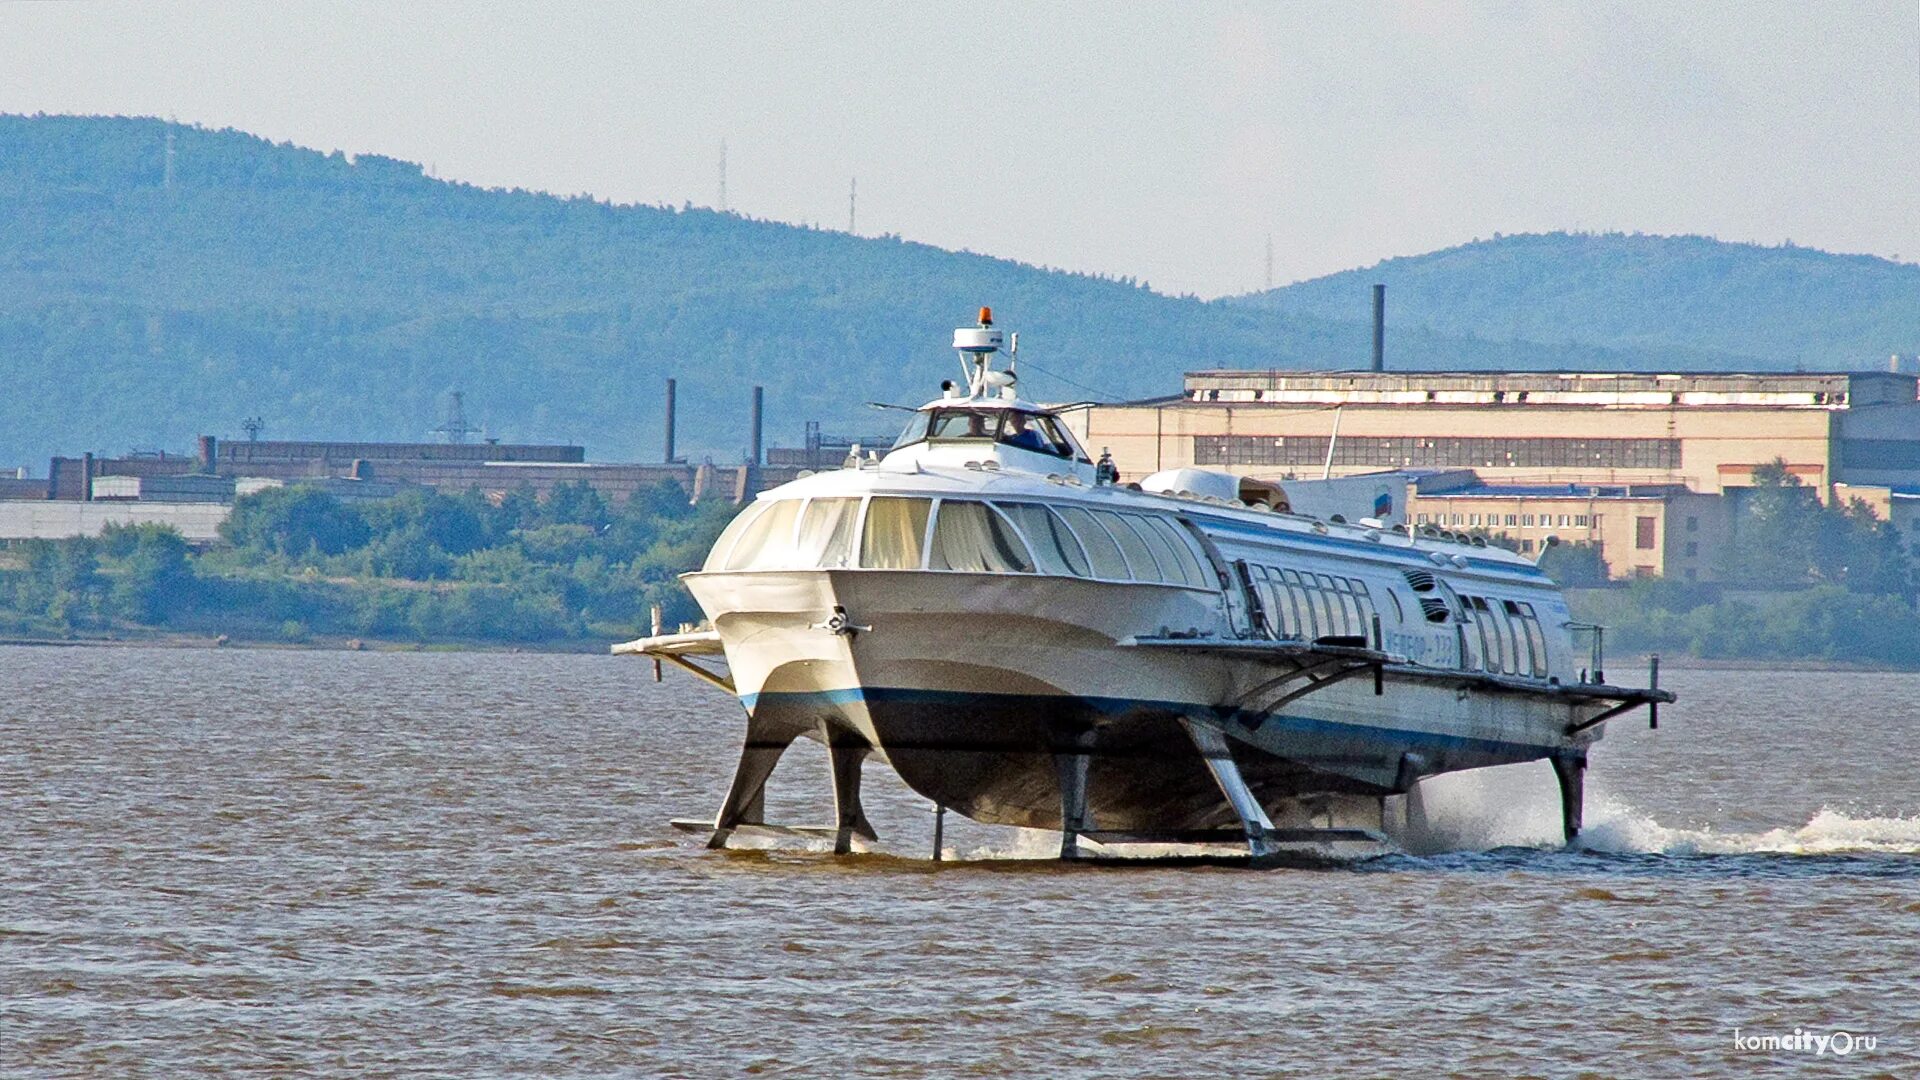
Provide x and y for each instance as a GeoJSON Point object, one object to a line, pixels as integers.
{"type": "Point", "coordinates": [964, 424]}
{"type": "Point", "coordinates": [1041, 433]}
{"type": "Point", "coordinates": [896, 530]}
{"type": "Point", "coordinates": [915, 431]}
{"type": "Point", "coordinates": [974, 537]}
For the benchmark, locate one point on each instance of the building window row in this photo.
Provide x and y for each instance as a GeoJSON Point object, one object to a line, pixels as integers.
{"type": "Point", "coordinates": [1418, 452]}
{"type": "Point", "coordinates": [1511, 521]}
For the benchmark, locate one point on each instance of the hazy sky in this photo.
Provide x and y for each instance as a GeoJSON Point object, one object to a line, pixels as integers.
{"type": "Point", "coordinates": [1164, 142]}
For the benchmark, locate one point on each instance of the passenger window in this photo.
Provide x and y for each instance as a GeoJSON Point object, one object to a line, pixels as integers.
{"type": "Point", "coordinates": [975, 537]}
{"type": "Point", "coordinates": [1054, 548]}
{"type": "Point", "coordinates": [768, 540]}
{"type": "Point", "coordinates": [1367, 612]}
{"type": "Point", "coordinates": [826, 533]}
{"type": "Point", "coordinates": [1279, 604]}
{"type": "Point", "coordinates": [1536, 640]}
{"type": "Point", "coordinates": [1167, 567]}
{"type": "Point", "coordinates": [1349, 605]}
{"type": "Point", "coordinates": [717, 558]}
{"type": "Point", "coordinates": [1479, 624]}
{"type": "Point", "coordinates": [1302, 603]}
{"type": "Point", "coordinates": [1138, 558]}
{"type": "Point", "coordinates": [1509, 642]}
{"type": "Point", "coordinates": [1175, 536]}
{"type": "Point", "coordinates": [1336, 615]}
{"type": "Point", "coordinates": [1102, 552]}
{"type": "Point", "coordinates": [1171, 570]}
{"type": "Point", "coordinates": [895, 531]}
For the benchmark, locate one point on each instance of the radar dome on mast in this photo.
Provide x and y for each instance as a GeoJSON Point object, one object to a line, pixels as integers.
{"type": "Point", "coordinates": [979, 340]}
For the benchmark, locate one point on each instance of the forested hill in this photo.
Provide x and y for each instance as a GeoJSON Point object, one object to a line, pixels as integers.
{"type": "Point", "coordinates": [340, 298]}
{"type": "Point", "coordinates": [1764, 307]}
{"type": "Point", "coordinates": [343, 298]}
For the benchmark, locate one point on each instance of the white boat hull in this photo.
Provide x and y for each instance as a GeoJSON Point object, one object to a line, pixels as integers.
{"type": "Point", "coordinates": [977, 711]}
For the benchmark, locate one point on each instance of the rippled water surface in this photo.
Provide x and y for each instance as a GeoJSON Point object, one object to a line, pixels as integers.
{"type": "Point", "coordinates": [355, 864]}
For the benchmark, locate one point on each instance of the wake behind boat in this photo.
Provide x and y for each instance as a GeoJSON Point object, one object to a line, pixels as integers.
{"type": "Point", "coordinates": [1028, 642]}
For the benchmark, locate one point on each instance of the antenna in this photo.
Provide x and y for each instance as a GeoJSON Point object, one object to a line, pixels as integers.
{"type": "Point", "coordinates": [1269, 260]}
{"type": "Point", "coordinates": [456, 429]}
{"type": "Point", "coordinates": [723, 176]}
{"type": "Point", "coordinates": [253, 425]}
{"type": "Point", "coordinates": [169, 173]}
{"type": "Point", "coordinates": [853, 193]}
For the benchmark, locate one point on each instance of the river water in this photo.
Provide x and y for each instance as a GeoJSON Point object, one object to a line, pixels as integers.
{"type": "Point", "coordinates": [365, 864]}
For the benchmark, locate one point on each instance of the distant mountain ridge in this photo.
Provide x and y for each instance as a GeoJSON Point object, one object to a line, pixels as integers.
{"type": "Point", "coordinates": [342, 298]}
{"type": "Point", "coordinates": [1747, 304]}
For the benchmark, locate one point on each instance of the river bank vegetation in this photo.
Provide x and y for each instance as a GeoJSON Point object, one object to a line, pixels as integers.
{"type": "Point", "coordinates": [301, 565]}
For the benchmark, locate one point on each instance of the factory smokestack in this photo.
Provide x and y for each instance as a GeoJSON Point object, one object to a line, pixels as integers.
{"type": "Point", "coordinates": [1379, 328]}
{"type": "Point", "coordinates": [209, 455]}
{"type": "Point", "coordinates": [759, 394]}
{"type": "Point", "coordinates": [669, 459]}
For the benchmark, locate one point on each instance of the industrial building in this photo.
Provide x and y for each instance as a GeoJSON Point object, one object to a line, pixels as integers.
{"type": "Point", "coordinates": [1637, 463]}
{"type": "Point", "coordinates": [380, 468]}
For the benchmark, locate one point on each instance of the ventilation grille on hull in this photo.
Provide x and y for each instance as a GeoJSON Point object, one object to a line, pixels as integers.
{"type": "Point", "coordinates": [1421, 580]}
{"type": "Point", "coordinates": [1434, 607]}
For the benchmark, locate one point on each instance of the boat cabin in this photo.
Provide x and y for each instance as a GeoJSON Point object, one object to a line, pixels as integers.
{"type": "Point", "coordinates": [985, 424]}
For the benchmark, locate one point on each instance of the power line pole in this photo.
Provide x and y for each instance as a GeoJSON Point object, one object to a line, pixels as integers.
{"type": "Point", "coordinates": [723, 176]}
{"type": "Point", "coordinates": [853, 193]}
{"type": "Point", "coordinates": [1269, 260]}
{"type": "Point", "coordinates": [169, 172]}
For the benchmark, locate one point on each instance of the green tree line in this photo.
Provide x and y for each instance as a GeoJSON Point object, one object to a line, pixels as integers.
{"type": "Point", "coordinates": [425, 566]}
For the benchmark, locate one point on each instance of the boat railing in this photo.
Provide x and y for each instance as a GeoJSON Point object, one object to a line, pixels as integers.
{"type": "Point", "coordinates": [1596, 635]}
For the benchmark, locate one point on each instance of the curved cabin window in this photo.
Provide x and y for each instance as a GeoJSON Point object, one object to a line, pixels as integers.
{"type": "Point", "coordinates": [1368, 613]}
{"type": "Point", "coordinates": [1182, 547]}
{"type": "Point", "coordinates": [1508, 638]}
{"type": "Point", "coordinates": [1055, 550]}
{"type": "Point", "coordinates": [1103, 553]}
{"type": "Point", "coordinates": [974, 537]}
{"type": "Point", "coordinates": [1529, 621]}
{"type": "Point", "coordinates": [1274, 606]}
{"type": "Point", "coordinates": [896, 530]}
{"type": "Point", "coordinates": [1333, 617]}
{"type": "Point", "coordinates": [717, 558]}
{"type": "Point", "coordinates": [768, 539]}
{"type": "Point", "coordinates": [1163, 556]}
{"type": "Point", "coordinates": [826, 533]}
{"type": "Point", "coordinates": [1303, 610]}
{"type": "Point", "coordinates": [1139, 560]}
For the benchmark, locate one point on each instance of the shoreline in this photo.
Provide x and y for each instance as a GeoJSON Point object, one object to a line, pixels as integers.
{"type": "Point", "coordinates": [595, 646]}
{"type": "Point", "coordinates": [198, 641]}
